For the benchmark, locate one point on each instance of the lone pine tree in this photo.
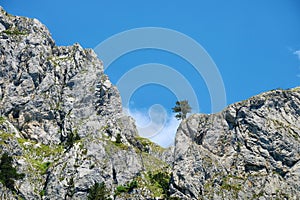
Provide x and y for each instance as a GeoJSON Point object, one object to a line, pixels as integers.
{"type": "Point", "coordinates": [182, 108]}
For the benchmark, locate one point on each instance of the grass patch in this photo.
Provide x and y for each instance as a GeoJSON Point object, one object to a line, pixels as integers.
{"type": "Point", "coordinates": [113, 147]}
{"type": "Point", "coordinates": [230, 183]}
{"type": "Point", "coordinates": [2, 120]}
{"type": "Point", "coordinates": [156, 182]}
{"type": "Point", "coordinates": [43, 167]}
{"type": "Point", "coordinates": [126, 188]}
{"type": "Point", "coordinates": [39, 156]}
{"type": "Point", "coordinates": [5, 136]}
{"type": "Point", "coordinates": [152, 163]}
{"type": "Point", "coordinates": [147, 143]}
{"type": "Point", "coordinates": [14, 31]}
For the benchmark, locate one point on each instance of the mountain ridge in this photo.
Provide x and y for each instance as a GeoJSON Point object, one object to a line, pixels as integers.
{"type": "Point", "coordinates": [249, 141]}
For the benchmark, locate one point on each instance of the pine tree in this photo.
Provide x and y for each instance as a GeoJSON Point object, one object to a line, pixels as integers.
{"type": "Point", "coordinates": [182, 108]}
{"type": "Point", "coordinates": [98, 192]}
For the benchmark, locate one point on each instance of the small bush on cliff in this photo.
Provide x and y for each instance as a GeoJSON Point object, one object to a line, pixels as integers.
{"type": "Point", "coordinates": [98, 192]}
{"type": "Point", "coordinates": [2, 120]}
{"type": "Point", "coordinates": [118, 139]}
{"type": "Point", "coordinates": [71, 139]}
{"type": "Point", "coordinates": [126, 188]}
{"type": "Point", "coordinates": [162, 179]}
{"type": "Point", "coordinates": [8, 174]}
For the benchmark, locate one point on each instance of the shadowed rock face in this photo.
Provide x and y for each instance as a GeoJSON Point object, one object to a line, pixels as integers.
{"type": "Point", "coordinates": [251, 150]}
{"type": "Point", "coordinates": [61, 121]}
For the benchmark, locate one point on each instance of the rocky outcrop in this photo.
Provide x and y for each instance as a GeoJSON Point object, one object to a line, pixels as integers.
{"type": "Point", "coordinates": [62, 124]}
{"type": "Point", "coordinates": [62, 120]}
{"type": "Point", "coordinates": [251, 150]}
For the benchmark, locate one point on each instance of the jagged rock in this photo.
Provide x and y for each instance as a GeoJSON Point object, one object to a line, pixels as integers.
{"type": "Point", "coordinates": [248, 151]}
{"type": "Point", "coordinates": [60, 117]}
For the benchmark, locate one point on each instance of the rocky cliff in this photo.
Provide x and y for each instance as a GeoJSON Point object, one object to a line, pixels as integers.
{"type": "Point", "coordinates": [62, 121]}
{"type": "Point", "coordinates": [251, 150]}
{"type": "Point", "coordinates": [63, 134]}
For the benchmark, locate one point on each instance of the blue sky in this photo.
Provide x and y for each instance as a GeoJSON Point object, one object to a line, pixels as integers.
{"type": "Point", "coordinates": [255, 44]}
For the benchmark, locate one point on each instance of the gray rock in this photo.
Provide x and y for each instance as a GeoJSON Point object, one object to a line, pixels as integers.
{"type": "Point", "coordinates": [61, 117]}
{"type": "Point", "coordinates": [248, 151]}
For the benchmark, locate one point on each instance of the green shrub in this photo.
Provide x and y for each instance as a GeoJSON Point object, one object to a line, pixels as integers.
{"type": "Point", "coordinates": [121, 189]}
{"type": "Point", "coordinates": [42, 192]}
{"type": "Point", "coordinates": [126, 188]}
{"type": "Point", "coordinates": [2, 120]}
{"type": "Point", "coordinates": [8, 174]}
{"type": "Point", "coordinates": [43, 167]}
{"type": "Point", "coordinates": [98, 192]}
{"type": "Point", "coordinates": [162, 179]}
{"type": "Point", "coordinates": [72, 138]}
{"type": "Point", "coordinates": [132, 185]}
{"type": "Point", "coordinates": [118, 139]}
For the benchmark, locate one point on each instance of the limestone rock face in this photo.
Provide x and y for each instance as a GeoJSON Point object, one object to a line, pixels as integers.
{"type": "Point", "coordinates": [251, 150]}
{"type": "Point", "coordinates": [61, 118]}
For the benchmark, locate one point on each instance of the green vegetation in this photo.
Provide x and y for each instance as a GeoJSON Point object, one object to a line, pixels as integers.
{"type": "Point", "coordinates": [152, 163]}
{"type": "Point", "coordinates": [56, 61]}
{"type": "Point", "coordinates": [98, 192]}
{"type": "Point", "coordinates": [42, 193]}
{"type": "Point", "coordinates": [256, 196]}
{"type": "Point", "coordinates": [126, 188]}
{"type": "Point", "coordinates": [40, 150]}
{"type": "Point", "coordinates": [43, 167]}
{"type": "Point", "coordinates": [235, 187]}
{"type": "Point", "coordinates": [5, 136]}
{"type": "Point", "coordinates": [14, 31]}
{"type": "Point", "coordinates": [2, 120]}
{"type": "Point", "coordinates": [118, 143]}
{"type": "Point", "coordinates": [8, 174]}
{"type": "Point", "coordinates": [182, 108]}
{"type": "Point", "coordinates": [39, 155]}
{"type": "Point", "coordinates": [230, 183]}
{"type": "Point", "coordinates": [156, 182]}
{"type": "Point", "coordinates": [118, 139]}
{"type": "Point", "coordinates": [38, 165]}
{"type": "Point", "coordinates": [72, 138]}
{"type": "Point", "coordinates": [148, 144]}
{"type": "Point", "coordinates": [113, 147]}
{"type": "Point", "coordinates": [162, 180]}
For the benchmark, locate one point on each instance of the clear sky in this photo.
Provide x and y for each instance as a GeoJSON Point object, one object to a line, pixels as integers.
{"type": "Point", "coordinates": [255, 44]}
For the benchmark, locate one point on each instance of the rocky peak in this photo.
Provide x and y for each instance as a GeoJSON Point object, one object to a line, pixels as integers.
{"type": "Point", "coordinates": [42, 89]}
{"type": "Point", "coordinates": [251, 150]}
{"type": "Point", "coordinates": [61, 118]}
